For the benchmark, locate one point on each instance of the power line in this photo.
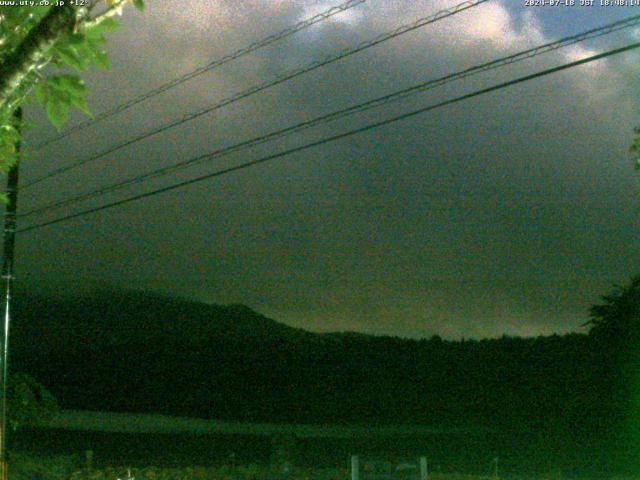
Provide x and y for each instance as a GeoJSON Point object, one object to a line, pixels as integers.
{"type": "Point", "coordinates": [392, 97]}
{"type": "Point", "coordinates": [333, 138]}
{"type": "Point", "coordinates": [206, 68]}
{"type": "Point", "coordinates": [271, 83]}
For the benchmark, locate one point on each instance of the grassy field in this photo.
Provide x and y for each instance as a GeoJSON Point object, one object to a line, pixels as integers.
{"type": "Point", "coordinates": [23, 467]}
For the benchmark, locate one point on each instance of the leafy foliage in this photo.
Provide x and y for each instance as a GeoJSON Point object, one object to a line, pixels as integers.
{"type": "Point", "coordinates": [619, 316]}
{"type": "Point", "coordinates": [635, 147]}
{"type": "Point", "coordinates": [28, 401]}
{"type": "Point", "coordinates": [60, 91]}
{"type": "Point", "coordinates": [28, 467]}
{"type": "Point", "coordinates": [16, 23]}
{"type": "Point", "coordinates": [615, 327]}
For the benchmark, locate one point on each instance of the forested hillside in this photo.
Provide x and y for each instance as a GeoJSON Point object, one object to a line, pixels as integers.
{"type": "Point", "coordinates": [137, 352]}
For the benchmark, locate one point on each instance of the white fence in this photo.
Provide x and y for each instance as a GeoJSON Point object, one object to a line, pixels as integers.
{"type": "Point", "coordinates": [380, 470]}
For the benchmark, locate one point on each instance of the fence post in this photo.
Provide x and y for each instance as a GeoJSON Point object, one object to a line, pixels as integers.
{"type": "Point", "coordinates": [355, 467]}
{"type": "Point", "coordinates": [283, 446]}
{"type": "Point", "coordinates": [424, 472]}
{"type": "Point", "coordinates": [88, 460]}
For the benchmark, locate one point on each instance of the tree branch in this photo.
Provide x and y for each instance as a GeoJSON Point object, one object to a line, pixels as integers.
{"type": "Point", "coordinates": [113, 10]}
{"type": "Point", "coordinates": [27, 56]}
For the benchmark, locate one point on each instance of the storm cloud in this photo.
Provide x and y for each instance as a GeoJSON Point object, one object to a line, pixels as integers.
{"type": "Point", "coordinates": [508, 213]}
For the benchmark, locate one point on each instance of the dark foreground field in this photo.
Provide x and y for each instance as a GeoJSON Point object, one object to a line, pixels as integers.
{"type": "Point", "coordinates": [518, 455]}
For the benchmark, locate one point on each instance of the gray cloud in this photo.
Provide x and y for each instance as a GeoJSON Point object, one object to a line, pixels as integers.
{"type": "Point", "coordinates": [509, 213]}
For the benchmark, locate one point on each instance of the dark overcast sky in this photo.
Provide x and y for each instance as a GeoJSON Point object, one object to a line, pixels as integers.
{"type": "Point", "coordinates": [509, 213]}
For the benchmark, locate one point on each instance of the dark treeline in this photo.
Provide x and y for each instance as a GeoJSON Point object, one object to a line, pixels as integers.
{"type": "Point", "coordinates": [137, 352]}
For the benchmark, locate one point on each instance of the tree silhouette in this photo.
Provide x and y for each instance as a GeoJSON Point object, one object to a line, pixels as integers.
{"type": "Point", "coordinates": [618, 318]}
{"type": "Point", "coordinates": [29, 401]}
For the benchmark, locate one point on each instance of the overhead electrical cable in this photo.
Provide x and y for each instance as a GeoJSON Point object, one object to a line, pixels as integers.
{"type": "Point", "coordinates": [206, 68]}
{"type": "Point", "coordinates": [361, 107]}
{"type": "Point", "coordinates": [333, 138]}
{"type": "Point", "coordinates": [271, 83]}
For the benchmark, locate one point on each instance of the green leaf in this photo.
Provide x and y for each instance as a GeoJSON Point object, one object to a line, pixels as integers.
{"type": "Point", "coordinates": [92, 49]}
{"type": "Point", "coordinates": [139, 4]}
{"type": "Point", "coordinates": [41, 93]}
{"type": "Point", "coordinates": [57, 91]}
{"type": "Point", "coordinates": [55, 82]}
{"type": "Point", "coordinates": [96, 40]}
{"type": "Point", "coordinates": [57, 112]}
{"type": "Point", "coordinates": [8, 157]}
{"type": "Point", "coordinates": [110, 25]}
{"type": "Point", "coordinates": [9, 135]}
{"type": "Point", "coordinates": [72, 84]}
{"type": "Point", "coordinates": [70, 56]}
{"type": "Point", "coordinates": [81, 103]}
{"type": "Point", "coordinates": [102, 60]}
{"type": "Point", "coordinates": [107, 25]}
{"type": "Point", "coordinates": [77, 39]}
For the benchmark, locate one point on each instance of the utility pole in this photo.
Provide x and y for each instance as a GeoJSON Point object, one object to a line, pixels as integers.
{"type": "Point", "coordinates": [7, 276]}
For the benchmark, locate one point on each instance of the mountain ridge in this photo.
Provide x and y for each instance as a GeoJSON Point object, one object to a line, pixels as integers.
{"type": "Point", "coordinates": [147, 353]}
